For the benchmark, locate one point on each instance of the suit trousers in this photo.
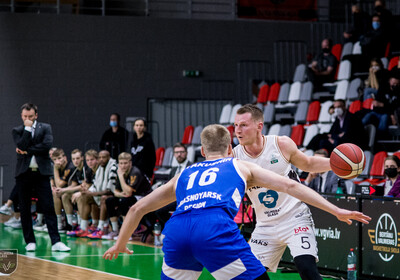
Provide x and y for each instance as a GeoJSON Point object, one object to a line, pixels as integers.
{"type": "Point", "coordinates": [26, 183]}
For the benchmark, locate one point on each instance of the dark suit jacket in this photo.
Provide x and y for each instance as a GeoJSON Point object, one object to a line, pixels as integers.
{"type": "Point", "coordinates": [331, 183]}
{"type": "Point", "coordinates": [173, 170]}
{"type": "Point", "coordinates": [38, 146]}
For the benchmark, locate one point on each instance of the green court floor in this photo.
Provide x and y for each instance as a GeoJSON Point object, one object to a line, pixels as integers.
{"type": "Point", "coordinates": [144, 264]}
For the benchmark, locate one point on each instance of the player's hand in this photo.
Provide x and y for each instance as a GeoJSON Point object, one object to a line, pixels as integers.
{"type": "Point", "coordinates": [347, 216]}
{"type": "Point", "coordinates": [21, 152]}
{"type": "Point", "coordinates": [114, 251]}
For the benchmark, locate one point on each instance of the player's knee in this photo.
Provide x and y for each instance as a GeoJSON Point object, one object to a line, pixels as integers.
{"type": "Point", "coordinates": [307, 267]}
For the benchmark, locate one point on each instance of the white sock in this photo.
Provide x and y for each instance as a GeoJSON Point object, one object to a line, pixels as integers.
{"type": "Point", "coordinates": [79, 219]}
{"type": "Point", "coordinates": [59, 219]}
{"type": "Point", "coordinates": [84, 224]}
{"type": "Point", "coordinates": [95, 222]}
{"type": "Point", "coordinates": [70, 218]}
{"type": "Point", "coordinates": [101, 224]}
{"type": "Point", "coordinates": [114, 226]}
{"type": "Point", "coordinates": [39, 218]}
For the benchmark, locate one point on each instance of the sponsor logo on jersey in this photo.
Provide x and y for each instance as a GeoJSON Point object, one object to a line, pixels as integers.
{"type": "Point", "coordinates": [301, 230]}
{"type": "Point", "coordinates": [254, 188]}
{"type": "Point", "coordinates": [268, 198]}
{"type": "Point", "coordinates": [259, 242]}
{"type": "Point", "coordinates": [274, 158]}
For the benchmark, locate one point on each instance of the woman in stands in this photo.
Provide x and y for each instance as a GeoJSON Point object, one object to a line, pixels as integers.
{"type": "Point", "coordinates": [378, 76]}
{"type": "Point", "coordinates": [392, 172]}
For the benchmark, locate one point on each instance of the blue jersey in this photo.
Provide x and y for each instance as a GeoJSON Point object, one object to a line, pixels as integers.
{"type": "Point", "coordinates": [210, 184]}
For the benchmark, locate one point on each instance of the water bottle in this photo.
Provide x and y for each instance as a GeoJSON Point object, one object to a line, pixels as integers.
{"type": "Point", "coordinates": [351, 265]}
{"type": "Point", "coordinates": [157, 234]}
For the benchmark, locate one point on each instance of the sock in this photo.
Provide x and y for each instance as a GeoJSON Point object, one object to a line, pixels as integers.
{"type": "Point", "coordinates": [84, 224]}
{"type": "Point", "coordinates": [70, 218]}
{"type": "Point", "coordinates": [39, 218]}
{"type": "Point", "coordinates": [59, 220]}
{"type": "Point", "coordinates": [95, 222]}
{"type": "Point", "coordinates": [114, 226]}
{"type": "Point", "coordinates": [79, 219]}
{"type": "Point", "coordinates": [101, 224]}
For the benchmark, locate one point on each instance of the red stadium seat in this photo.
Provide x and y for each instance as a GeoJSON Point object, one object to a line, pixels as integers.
{"type": "Point", "coordinates": [387, 50]}
{"type": "Point", "coordinates": [337, 51]}
{"type": "Point", "coordinates": [397, 154]}
{"type": "Point", "coordinates": [188, 135]}
{"type": "Point", "coordinates": [367, 104]}
{"type": "Point", "coordinates": [313, 112]}
{"type": "Point", "coordinates": [231, 130]}
{"type": "Point", "coordinates": [355, 106]}
{"type": "Point", "coordinates": [274, 92]}
{"type": "Point", "coordinates": [159, 156]}
{"type": "Point", "coordinates": [297, 134]}
{"type": "Point", "coordinates": [393, 62]}
{"type": "Point", "coordinates": [377, 171]}
{"type": "Point", "coordinates": [263, 94]}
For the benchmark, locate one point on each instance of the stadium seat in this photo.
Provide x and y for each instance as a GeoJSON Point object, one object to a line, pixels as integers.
{"type": "Point", "coordinates": [397, 154]}
{"type": "Point", "coordinates": [231, 130]}
{"type": "Point", "coordinates": [355, 106]}
{"type": "Point", "coordinates": [225, 114]}
{"type": "Point", "coordinates": [274, 129]}
{"type": "Point", "coordinates": [263, 94]}
{"type": "Point", "coordinates": [347, 49]}
{"type": "Point", "coordinates": [387, 50]}
{"type": "Point", "coordinates": [341, 90]}
{"type": "Point", "coordinates": [324, 116]}
{"type": "Point", "coordinates": [306, 91]}
{"type": "Point", "coordinates": [274, 92]}
{"type": "Point", "coordinates": [269, 113]}
{"type": "Point", "coordinates": [284, 93]}
{"type": "Point", "coordinates": [385, 62]}
{"type": "Point", "coordinates": [357, 48]}
{"type": "Point", "coordinates": [313, 112]}
{"type": "Point", "coordinates": [168, 155]}
{"type": "Point", "coordinates": [393, 62]}
{"type": "Point", "coordinates": [300, 73]}
{"type": "Point", "coordinates": [344, 70]}
{"type": "Point", "coordinates": [297, 134]}
{"type": "Point", "coordinates": [160, 152]}
{"type": "Point", "coordinates": [311, 131]}
{"type": "Point", "coordinates": [196, 135]}
{"type": "Point", "coordinates": [367, 104]}
{"type": "Point", "coordinates": [188, 135]}
{"type": "Point", "coordinates": [324, 127]}
{"type": "Point", "coordinates": [285, 130]}
{"type": "Point", "coordinates": [233, 113]}
{"type": "Point", "coordinates": [301, 113]}
{"type": "Point", "coordinates": [337, 51]}
{"type": "Point", "coordinates": [377, 171]}
{"type": "Point", "coordinates": [294, 93]}
{"type": "Point", "coordinates": [352, 91]}
{"type": "Point", "coordinates": [191, 153]}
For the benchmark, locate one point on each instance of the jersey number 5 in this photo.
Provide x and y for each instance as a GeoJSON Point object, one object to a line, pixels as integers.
{"type": "Point", "coordinates": [207, 177]}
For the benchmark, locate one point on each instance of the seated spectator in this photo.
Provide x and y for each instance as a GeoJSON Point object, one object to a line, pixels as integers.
{"type": "Point", "coordinates": [114, 139]}
{"type": "Point", "coordinates": [385, 15]}
{"type": "Point", "coordinates": [386, 103]}
{"type": "Point", "coordinates": [326, 182]}
{"type": "Point", "coordinates": [360, 24]}
{"type": "Point", "coordinates": [180, 153]}
{"type": "Point", "coordinates": [142, 148]}
{"type": "Point", "coordinates": [378, 75]}
{"type": "Point", "coordinates": [323, 67]}
{"type": "Point", "coordinates": [347, 128]}
{"type": "Point", "coordinates": [374, 42]}
{"type": "Point", "coordinates": [392, 170]}
{"type": "Point", "coordinates": [131, 186]}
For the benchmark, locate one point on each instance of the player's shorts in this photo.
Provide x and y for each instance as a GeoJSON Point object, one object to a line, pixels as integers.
{"type": "Point", "coordinates": [269, 243]}
{"type": "Point", "coordinates": [207, 238]}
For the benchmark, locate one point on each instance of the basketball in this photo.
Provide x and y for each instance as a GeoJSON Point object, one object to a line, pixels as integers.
{"type": "Point", "coordinates": [347, 161]}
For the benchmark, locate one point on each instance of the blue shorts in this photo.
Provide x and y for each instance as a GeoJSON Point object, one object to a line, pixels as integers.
{"type": "Point", "coordinates": [207, 238]}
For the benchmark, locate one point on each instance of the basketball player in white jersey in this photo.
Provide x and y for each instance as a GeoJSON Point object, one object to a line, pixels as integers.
{"type": "Point", "coordinates": [282, 220]}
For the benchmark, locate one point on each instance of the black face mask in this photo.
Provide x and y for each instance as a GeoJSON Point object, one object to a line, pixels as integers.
{"type": "Point", "coordinates": [391, 172]}
{"type": "Point", "coordinates": [326, 50]}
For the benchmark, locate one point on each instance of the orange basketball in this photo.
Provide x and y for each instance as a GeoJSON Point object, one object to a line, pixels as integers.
{"type": "Point", "coordinates": [347, 161]}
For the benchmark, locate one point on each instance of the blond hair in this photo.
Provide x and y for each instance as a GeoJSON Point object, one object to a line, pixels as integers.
{"type": "Point", "coordinates": [256, 113]}
{"type": "Point", "coordinates": [124, 156]}
{"type": "Point", "coordinates": [215, 138]}
{"type": "Point", "coordinates": [92, 153]}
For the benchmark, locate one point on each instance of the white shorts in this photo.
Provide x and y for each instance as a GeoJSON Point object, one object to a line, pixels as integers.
{"type": "Point", "coordinates": [269, 243]}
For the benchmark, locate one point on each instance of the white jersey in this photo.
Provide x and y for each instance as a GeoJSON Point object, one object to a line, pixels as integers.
{"type": "Point", "coordinates": [273, 207]}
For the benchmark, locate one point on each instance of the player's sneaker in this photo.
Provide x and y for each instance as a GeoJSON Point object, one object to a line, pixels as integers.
{"type": "Point", "coordinates": [5, 210]}
{"type": "Point", "coordinates": [13, 222]}
{"type": "Point", "coordinates": [82, 233]}
{"type": "Point", "coordinates": [38, 226]}
{"type": "Point", "coordinates": [110, 236]}
{"type": "Point", "coordinates": [60, 247]}
{"type": "Point", "coordinates": [96, 234]}
{"type": "Point", "coordinates": [73, 232]}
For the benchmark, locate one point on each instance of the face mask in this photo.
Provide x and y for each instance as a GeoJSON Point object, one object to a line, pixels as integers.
{"type": "Point", "coordinates": [391, 172]}
{"type": "Point", "coordinates": [338, 112]}
{"type": "Point", "coordinates": [376, 25]}
{"type": "Point", "coordinates": [113, 123]}
{"type": "Point", "coordinates": [326, 50]}
{"type": "Point", "coordinates": [376, 68]}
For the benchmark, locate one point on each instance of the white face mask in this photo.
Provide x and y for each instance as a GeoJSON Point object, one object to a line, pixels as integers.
{"type": "Point", "coordinates": [376, 68]}
{"type": "Point", "coordinates": [338, 112]}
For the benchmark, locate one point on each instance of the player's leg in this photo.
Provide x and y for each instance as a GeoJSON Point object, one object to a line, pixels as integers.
{"type": "Point", "coordinates": [66, 199]}
{"type": "Point", "coordinates": [307, 267]}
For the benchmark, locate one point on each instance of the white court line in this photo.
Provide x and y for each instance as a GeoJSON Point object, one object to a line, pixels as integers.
{"type": "Point", "coordinates": [85, 268]}
{"type": "Point", "coordinates": [76, 256]}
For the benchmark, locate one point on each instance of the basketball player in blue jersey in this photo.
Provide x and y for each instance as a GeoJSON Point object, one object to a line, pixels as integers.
{"type": "Point", "coordinates": [282, 220]}
{"type": "Point", "coordinates": [201, 232]}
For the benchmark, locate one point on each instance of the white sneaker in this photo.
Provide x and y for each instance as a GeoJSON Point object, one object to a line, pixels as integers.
{"type": "Point", "coordinates": [39, 227]}
{"type": "Point", "coordinates": [12, 221]}
{"type": "Point", "coordinates": [110, 236]}
{"type": "Point", "coordinates": [5, 210]}
{"type": "Point", "coordinates": [61, 247]}
{"type": "Point", "coordinates": [16, 224]}
{"type": "Point", "coordinates": [31, 247]}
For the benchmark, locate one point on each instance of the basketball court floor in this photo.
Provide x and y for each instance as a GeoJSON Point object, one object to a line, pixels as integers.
{"type": "Point", "coordinates": [85, 261]}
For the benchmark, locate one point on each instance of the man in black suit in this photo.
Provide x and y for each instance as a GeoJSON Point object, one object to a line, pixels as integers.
{"type": "Point", "coordinates": [33, 141]}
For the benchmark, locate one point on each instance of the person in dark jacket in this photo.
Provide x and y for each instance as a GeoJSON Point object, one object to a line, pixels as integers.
{"type": "Point", "coordinates": [142, 148]}
{"type": "Point", "coordinates": [114, 139]}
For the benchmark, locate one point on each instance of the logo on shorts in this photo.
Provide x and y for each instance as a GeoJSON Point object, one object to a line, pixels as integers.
{"type": "Point", "coordinates": [8, 261]}
{"type": "Point", "coordinates": [269, 198]}
{"type": "Point", "coordinates": [259, 242]}
{"type": "Point", "coordinates": [301, 229]}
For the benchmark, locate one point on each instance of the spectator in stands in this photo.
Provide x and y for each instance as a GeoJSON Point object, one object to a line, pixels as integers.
{"type": "Point", "coordinates": [180, 153]}
{"type": "Point", "coordinates": [114, 139]}
{"type": "Point", "coordinates": [385, 105]}
{"type": "Point", "coordinates": [392, 170]}
{"type": "Point", "coordinates": [373, 43]}
{"type": "Point", "coordinates": [143, 149]}
{"type": "Point", "coordinates": [323, 67]}
{"type": "Point", "coordinates": [385, 15]}
{"type": "Point", "coordinates": [325, 182]}
{"type": "Point", "coordinates": [378, 75]}
{"type": "Point", "coordinates": [62, 172]}
{"type": "Point", "coordinates": [131, 186]}
{"type": "Point", "coordinates": [360, 25]}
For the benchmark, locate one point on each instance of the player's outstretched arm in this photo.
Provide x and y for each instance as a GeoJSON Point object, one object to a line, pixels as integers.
{"type": "Point", "coordinates": [160, 197]}
{"type": "Point", "coordinates": [257, 176]}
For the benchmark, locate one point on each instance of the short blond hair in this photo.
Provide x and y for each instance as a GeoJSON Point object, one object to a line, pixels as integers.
{"type": "Point", "coordinates": [92, 153]}
{"type": "Point", "coordinates": [215, 138]}
{"type": "Point", "coordinates": [255, 112]}
{"type": "Point", "coordinates": [124, 156]}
